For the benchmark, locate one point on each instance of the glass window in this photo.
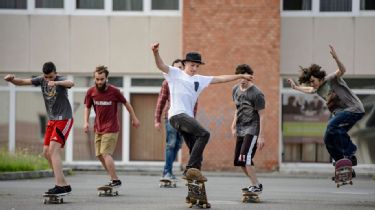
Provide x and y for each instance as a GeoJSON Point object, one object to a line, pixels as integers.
{"type": "Point", "coordinates": [147, 82]}
{"type": "Point", "coordinates": [127, 5]}
{"type": "Point", "coordinates": [30, 122]}
{"type": "Point", "coordinates": [335, 5]}
{"type": "Point", "coordinates": [297, 5]}
{"type": "Point", "coordinates": [13, 4]}
{"type": "Point", "coordinates": [164, 4]}
{"type": "Point", "coordinates": [367, 5]}
{"type": "Point", "coordinates": [90, 4]}
{"type": "Point", "coordinates": [51, 4]}
{"type": "Point", "coordinates": [4, 120]}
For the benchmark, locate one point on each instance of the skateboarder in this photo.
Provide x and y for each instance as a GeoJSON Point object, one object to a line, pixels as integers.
{"type": "Point", "coordinates": [54, 89]}
{"type": "Point", "coordinates": [345, 106]}
{"type": "Point", "coordinates": [185, 87]}
{"type": "Point", "coordinates": [105, 98]}
{"type": "Point", "coordinates": [246, 126]}
{"type": "Point", "coordinates": [173, 138]}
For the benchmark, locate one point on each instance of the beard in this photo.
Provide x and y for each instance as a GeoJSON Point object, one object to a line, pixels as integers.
{"type": "Point", "coordinates": [102, 88]}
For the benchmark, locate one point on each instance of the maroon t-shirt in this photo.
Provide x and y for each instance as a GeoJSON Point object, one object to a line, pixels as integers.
{"type": "Point", "coordinates": [105, 107]}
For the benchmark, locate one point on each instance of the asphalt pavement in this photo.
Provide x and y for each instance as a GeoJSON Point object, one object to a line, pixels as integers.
{"type": "Point", "coordinates": [142, 191]}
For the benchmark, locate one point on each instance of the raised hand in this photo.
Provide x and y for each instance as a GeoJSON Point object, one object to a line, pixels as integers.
{"type": "Point", "coordinates": [9, 77]}
{"type": "Point", "coordinates": [333, 52]}
{"type": "Point", "coordinates": [155, 47]}
{"type": "Point", "coordinates": [292, 83]}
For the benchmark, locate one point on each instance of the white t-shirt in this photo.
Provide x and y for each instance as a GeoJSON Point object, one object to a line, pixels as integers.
{"type": "Point", "coordinates": [184, 90]}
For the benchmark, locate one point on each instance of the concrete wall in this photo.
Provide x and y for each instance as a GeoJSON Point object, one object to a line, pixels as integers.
{"type": "Point", "coordinates": [79, 43]}
{"type": "Point", "coordinates": [305, 40]}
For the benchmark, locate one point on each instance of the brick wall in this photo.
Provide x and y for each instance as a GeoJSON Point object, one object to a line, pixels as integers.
{"type": "Point", "coordinates": [227, 33]}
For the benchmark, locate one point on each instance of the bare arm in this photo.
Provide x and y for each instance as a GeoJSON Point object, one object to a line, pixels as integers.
{"type": "Point", "coordinates": [301, 88]}
{"type": "Point", "coordinates": [228, 78]}
{"type": "Point", "coordinates": [261, 138]}
{"type": "Point", "coordinates": [86, 116]}
{"type": "Point", "coordinates": [341, 70]}
{"type": "Point", "coordinates": [159, 62]}
{"type": "Point", "coordinates": [17, 81]}
{"type": "Point", "coordinates": [233, 127]}
{"type": "Point", "coordinates": [134, 119]}
{"type": "Point", "coordinates": [64, 83]}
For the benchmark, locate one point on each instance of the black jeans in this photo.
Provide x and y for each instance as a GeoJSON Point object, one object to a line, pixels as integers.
{"type": "Point", "coordinates": [195, 136]}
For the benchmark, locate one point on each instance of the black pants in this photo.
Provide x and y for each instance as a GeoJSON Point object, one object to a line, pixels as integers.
{"type": "Point", "coordinates": [195, 136]}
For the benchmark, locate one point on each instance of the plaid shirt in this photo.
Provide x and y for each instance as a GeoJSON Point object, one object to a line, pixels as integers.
{"type": "Point", "coordinates": [163, 103]}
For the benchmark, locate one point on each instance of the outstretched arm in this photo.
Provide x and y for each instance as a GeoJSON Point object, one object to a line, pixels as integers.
{"type": "Point", "coordinates": [341, 70]}
{"type": "Point", "coordinates": [64, 83]}
{"type": "Point", "coordinates": [228, 78]}
{"type": "Point", "coordinates": [159, 62]}
{"type": "Point", "coordinates": [17, 81]}
{"type": "Point", "coordinates": [134, 119]}
{"type": "Point", "coordinates": [302, 89]}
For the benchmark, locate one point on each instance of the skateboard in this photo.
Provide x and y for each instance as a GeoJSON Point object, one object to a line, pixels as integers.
{"type": "Point", "coordinates": [196, 190]}
{"type": "Point", "coordinates": [249, 197]}
{"type": "Point", "coordinates": [343, 172]}
{"type": "Point", "coordinates": [107, 191]}
{"type": "Point", "coordinates": [167, 183]}
{"type": "Point", "coordinates": [53, 198]}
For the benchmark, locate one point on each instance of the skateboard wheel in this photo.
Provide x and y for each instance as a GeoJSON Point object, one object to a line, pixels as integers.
{"type": "Point", "coordinates": [116, 193]}
{"type": "Point", "coordinates": [45, 201]}
{"type": "Point", "coordinates": [243, 199]}
{"type": "Point", "coordinates": [61, 200]}
{"type": "Point", "coordinates": [351, 182]}
{"type": "Point", "coordinates": [338, 185]}
{"type": "Point", "coordinates": [190, 205]}
{"type": "Point", "coordinates": [204, 206]}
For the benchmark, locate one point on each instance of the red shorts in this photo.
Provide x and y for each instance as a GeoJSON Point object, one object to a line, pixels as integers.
{"type": "Point", "coordinates": [57, 130]}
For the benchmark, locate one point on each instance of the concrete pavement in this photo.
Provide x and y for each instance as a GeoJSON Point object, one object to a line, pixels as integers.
{"type": "Point", "coordinates": [141, 191]}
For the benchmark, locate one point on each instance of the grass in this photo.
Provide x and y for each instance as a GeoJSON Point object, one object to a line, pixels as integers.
{"type": "Point", "coordinates": [21, 161]}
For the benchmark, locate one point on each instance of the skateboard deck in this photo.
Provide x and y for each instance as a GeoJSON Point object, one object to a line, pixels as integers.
{"type": "Point", "coordinates": [249, 197]}
{"type": "Point", "coordinates": [196, 190]}
{"type": "Point", "coordinates": [54, 198]}
{"type": "Point", "coordinates": [343, 172]}
{"type": "Point", "coordinates": [107, 191]}
{"type": "Point", "coordinates": [167, 183]}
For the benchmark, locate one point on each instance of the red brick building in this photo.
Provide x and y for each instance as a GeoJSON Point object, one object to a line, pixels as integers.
{"type": "Point", "coordinates": [228, 33]}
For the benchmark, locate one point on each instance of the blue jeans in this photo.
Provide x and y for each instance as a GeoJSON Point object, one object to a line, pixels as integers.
{"type": "Point", "coordinates": [336, 138]}
{"type": "Point", "coordinates": [173, 145]}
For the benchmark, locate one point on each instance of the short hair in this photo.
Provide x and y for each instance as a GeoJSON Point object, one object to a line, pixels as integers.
{"type": "Point", "coordinates": [49, 67]}
{"type": "Point", "coordinates": [102, 69]}
{"type": "Point", "coordinates": [313, 70]}
{"type": "Point", "coordinates": [177, 61]}
{"type": "Point", "coordinates": [244, 69]}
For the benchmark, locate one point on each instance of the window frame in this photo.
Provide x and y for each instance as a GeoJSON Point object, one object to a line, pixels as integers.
{"type": "Point", "coordinates": [315, 11]}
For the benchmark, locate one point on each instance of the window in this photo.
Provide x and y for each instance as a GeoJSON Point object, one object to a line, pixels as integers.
{"type": "Point", "coordinates": [147, 82]}
{"type": "Point", "coordinates": [297, 5]}
{"type": "Point", "coordinates": [367, 5]}
{"type": "Point", "coordinates": [50, 4]}
{"type": "Point", "coordinates": [335, 5]}
{"type": "Point", "coordinates": [13, 4]}
{"type": "Point", "coordinates": [127, 5]}
{"type": "Point", "coordinates": [90, 4]}
{"type": "Point", "coordinates": [164, 5]}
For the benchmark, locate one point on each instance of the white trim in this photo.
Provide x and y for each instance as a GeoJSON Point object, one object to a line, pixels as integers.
{"type": "Point", "coordinates": [126, 122]}
{"type": "Point", "coordinates": [69, 141]}
{"type": "Point", "coordinates": [12, 118]}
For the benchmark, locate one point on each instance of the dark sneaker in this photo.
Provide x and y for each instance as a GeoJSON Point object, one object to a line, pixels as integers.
{"type": "Point", "coordinates": [50, 189]}
{"type": "Point", "coordinates": [353, 158]}
{"type": "Point", "coordinates": [57, 190]}
{"type": "Point", "coordinates": [67, 188]}
{"type": "Point", "coordinates": [256, 189]}
{"type": "Point", "coordinates": [115, 183]}
{"type": "Point", "coordinates": [354, 174]}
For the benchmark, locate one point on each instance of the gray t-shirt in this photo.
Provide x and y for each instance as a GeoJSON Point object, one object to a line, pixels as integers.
{"type": "Point", "coordinates": [248, 103]}
{"type": "Point", "coordinates": [55, 98]}
{"type": "Point", "coordinates": [338, 95]}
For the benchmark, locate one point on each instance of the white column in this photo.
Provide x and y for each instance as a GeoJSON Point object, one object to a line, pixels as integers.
{"type": "Point", "coordinates": [126, 122]}
{"type": "Point", "coordinates": [69, 141]}
{"type": "Point", "coordinates": [12, 118]}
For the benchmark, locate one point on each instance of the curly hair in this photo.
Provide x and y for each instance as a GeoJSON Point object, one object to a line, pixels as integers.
{"type": "Point", "coordinates": [244, 69]}
{"type": "Point", "coordinates": [313, 70]}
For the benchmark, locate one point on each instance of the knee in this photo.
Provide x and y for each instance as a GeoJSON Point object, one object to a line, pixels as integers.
{"type": "Point", "coordinates": [206, 136]}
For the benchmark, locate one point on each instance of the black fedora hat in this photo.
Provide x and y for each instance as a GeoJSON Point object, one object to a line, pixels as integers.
{"type": "Point", "coordinates": [193, 57]}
